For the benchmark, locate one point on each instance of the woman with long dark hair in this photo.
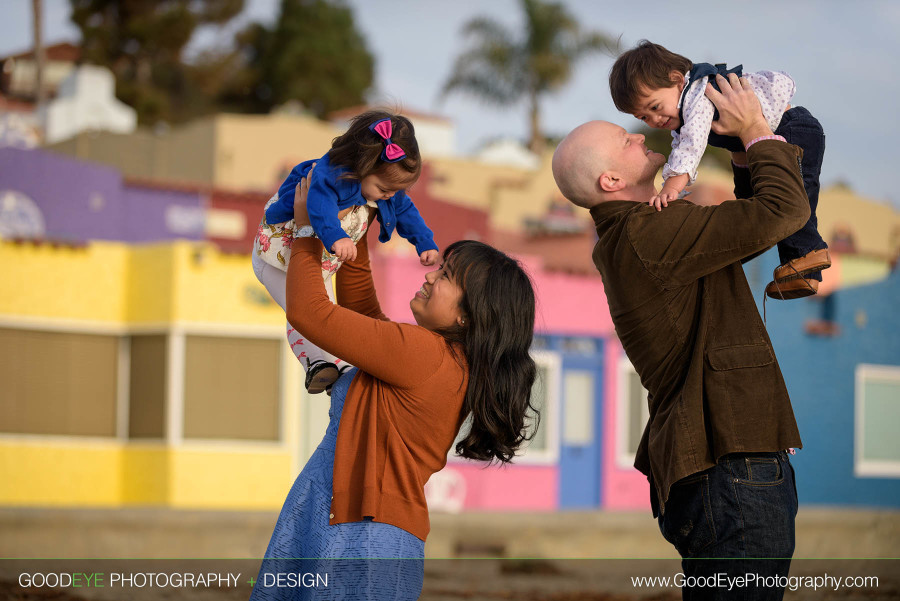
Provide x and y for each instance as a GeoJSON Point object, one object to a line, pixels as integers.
{"type": "Point", "coordinates": [394, 419]}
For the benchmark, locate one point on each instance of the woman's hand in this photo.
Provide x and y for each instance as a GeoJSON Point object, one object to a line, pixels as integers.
{"type": "Point", "coordinates": [301, 216]}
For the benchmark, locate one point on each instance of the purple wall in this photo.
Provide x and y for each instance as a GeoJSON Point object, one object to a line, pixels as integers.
{"type": "Point", "coordinates": [157, 214]}
{"type": "Point", "coordinates": [81, 201]}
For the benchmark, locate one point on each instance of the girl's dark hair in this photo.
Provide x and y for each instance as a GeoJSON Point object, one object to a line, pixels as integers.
{"type": "Point", "coordinates": [498, 308]}
{"type": "Point", "coordinates": [359, 148]}
{"type": "Point", "coordinates": [647, 66]}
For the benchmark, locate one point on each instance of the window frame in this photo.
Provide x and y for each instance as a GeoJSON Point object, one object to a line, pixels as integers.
{"type": "Point", "coordinates": [176, 335]}
{"type": "Point", "coordinates": [862, 467]}
{"type": "Point", "coordinates": [550, 414]}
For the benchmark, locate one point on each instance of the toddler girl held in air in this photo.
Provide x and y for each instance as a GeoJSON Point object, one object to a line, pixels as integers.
{"type": "Point", "coordinates": [667, 91]}
{"type": "Point", "coordinates": [367, 169]}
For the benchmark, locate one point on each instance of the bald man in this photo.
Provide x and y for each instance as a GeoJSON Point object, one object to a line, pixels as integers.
{"type": "Point", "coordinates": [714, 448]}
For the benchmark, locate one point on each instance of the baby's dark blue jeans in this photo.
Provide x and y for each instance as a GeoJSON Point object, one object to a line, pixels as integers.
{"type": "Point", "coordinates": [799, 127]}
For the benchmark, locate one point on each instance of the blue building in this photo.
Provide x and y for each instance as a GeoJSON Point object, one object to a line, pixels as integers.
{"type": "Point", "coordinates": [840, 355]}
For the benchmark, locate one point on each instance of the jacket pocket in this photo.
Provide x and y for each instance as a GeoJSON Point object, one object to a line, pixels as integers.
{"type": "Point", "coordinates": [738, 357]}
{"type": "Point", "coordinates": [740, 389]}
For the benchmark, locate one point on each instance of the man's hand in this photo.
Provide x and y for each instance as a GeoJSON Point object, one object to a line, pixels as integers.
{"type": "Point", "coordinates": [429, 257]}
{"type": "Point", "coordinates": [739, 111]}
{"type": "Point", "coordinates": [344, 249]}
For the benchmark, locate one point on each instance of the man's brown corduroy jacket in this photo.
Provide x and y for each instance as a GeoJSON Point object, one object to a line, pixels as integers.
{"type": "Point", "coordinates": [685, 315]}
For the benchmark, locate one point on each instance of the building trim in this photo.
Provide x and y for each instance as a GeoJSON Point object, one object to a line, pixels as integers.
{"type": "Point", "coordinates": [624, 459]}
{"type": "Point", "coordinates": [87, 326]}
{"type": "Point", "coordinates": [123, 387]}
{"type": "Point", "coordinates": [175, 357]}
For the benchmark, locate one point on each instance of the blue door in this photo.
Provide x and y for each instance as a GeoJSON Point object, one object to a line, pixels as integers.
{"type": "Point", "coordinates": [580, 426]}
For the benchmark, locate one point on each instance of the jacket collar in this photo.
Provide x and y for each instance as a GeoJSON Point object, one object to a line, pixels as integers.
{"type": "Point", "coordinates": [610, 209]}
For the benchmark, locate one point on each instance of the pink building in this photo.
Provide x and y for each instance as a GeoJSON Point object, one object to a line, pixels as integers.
{"type": "Point", "coordinates": [593, 408]}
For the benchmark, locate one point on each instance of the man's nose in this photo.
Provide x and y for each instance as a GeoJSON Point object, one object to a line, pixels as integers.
{"type": "Point", "coordinates": [640, 138]}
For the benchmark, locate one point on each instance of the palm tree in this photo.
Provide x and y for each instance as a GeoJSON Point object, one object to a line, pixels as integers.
{"type": "Point", "coordinates": [502, 68]}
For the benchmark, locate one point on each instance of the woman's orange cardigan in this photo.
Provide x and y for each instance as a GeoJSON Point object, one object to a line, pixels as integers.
{"type": "Point", "coordinates": [404, 407]}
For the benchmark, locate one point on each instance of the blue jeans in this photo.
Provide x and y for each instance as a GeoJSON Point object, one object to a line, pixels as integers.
{"type": "Point", "coordinates": [799, 127]}
{"type": "Point", "coordinates": [734, 519]}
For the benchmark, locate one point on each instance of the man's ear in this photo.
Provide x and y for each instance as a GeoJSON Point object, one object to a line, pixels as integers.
{"type": "Point", "coordinates": [609, 181]}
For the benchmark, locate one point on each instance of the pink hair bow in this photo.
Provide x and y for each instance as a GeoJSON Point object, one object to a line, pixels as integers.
{"type": "Point", "coordinates": [392, 152]}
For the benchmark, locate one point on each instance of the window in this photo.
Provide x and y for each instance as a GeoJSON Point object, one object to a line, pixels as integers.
{"type": "Point", "coordinates": [632, 413]}
{"type": "Point", "coordinates": [579, 346]}
{"type": "Point", "coordinates": [147, 387]}
{"type": "Point", "coordinates": [58, 383]}
{"type": "Point", "coordinates": [578, 418]}
{"type": "Point", "coordinates": [877, 446]}
{"type": "Point", "coordinates": [544, 447]}
{"type": "Point", "coordinates": [540, 343]}
{"type": "Point", "coordinates": [232, 388]}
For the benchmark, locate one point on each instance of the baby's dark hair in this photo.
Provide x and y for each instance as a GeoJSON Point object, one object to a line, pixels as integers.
{"type": "Point", "coordinates": [647, 66]}
{"type": "Point", "coordinates": [359, 148]}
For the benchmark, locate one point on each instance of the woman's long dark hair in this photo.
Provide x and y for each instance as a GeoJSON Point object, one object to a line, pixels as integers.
{"type": "Point", "coordinates": [498, 307]}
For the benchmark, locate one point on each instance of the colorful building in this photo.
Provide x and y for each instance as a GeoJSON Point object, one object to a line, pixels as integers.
{"type": "Point", "coordinates": [840, 355]}
{"type": "Point", "coordinates": [154, 370]}
{"type": "Point", "coordinates": [142, 375]}
{"type": "Point", "coordinates": [235, 152]}
{"type": "Point", "coordinates": [52, 197]}
{"type": "Point", "coordinates": [170, 379]}
{"type": "Point", "coordinates": [157, 374]}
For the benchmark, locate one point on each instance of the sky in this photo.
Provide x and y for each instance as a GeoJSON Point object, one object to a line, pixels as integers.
{"type": "Point", "coordinates": [839, 53]}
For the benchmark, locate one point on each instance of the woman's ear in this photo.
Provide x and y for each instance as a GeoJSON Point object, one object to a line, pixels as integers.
{"type": "Point", "coordinates": [461, 321]}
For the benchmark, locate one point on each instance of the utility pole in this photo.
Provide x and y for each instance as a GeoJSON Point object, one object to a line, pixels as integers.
{"type": "Point", "coordinates": [40, 92]}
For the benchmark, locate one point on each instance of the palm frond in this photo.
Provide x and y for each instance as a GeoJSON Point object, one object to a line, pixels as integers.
{"type": "Point", "coordinates": [500, 67]}
{"type": "Point", "coordinates": [488, 31]}
{"type": "Point", "coordinates": [491, 73]}
{"type": "Point", "coordinates": [598, 42]}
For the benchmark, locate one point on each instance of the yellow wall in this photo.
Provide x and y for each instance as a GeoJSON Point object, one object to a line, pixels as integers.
{"type": "Point", "coordinates": [96, 473]}
{"type": "Point", "coordinates": [212, 287]}
{"type": "Point", "coordinates": [229, 479]}
{"type": "Point", "coordinates": [48, 472]}
{"type": "Point", "coordinates": [132, 285]}
{"type": "Point", "coordinates": [64, 282]}
{"type": "Point", "coordinates": [859, 270]}
{"type": "Point", "coordinates": [252, 151]}
{"type": "Point", "coordinates": [471, 183]}
{"type": "Point", "coordinates": [875, 226]}
{"type": "Point", "coordinates": [530, 200]}
{"type": "Point", "coordinates": [144, 475]}
{"type": "Point", "coordinates": [150, 283]}
{"type": "Point", "coordinates": [123, 287]}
